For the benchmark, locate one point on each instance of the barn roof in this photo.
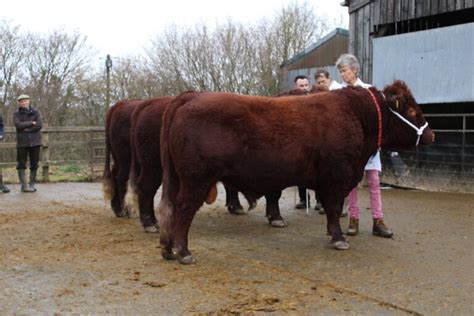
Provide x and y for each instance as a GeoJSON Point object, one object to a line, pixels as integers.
{"type": "Point", "coordinates": [315, 46]}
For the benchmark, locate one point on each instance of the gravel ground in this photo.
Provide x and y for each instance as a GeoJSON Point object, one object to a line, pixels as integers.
{"type": "Point", "coordinates": [64, 252]}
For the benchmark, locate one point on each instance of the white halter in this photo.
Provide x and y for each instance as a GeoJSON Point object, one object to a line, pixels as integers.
{"type": "Point", "coordinates": [419, 131]}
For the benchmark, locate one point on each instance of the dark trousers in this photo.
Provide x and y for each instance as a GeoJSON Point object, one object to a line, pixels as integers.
{"type": "Point", "coordinates": [22, 154]}
{"type": "Point", "coordinates": [302, 194]}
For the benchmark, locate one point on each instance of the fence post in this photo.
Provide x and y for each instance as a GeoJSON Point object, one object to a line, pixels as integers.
{"type": "Point", "coordinates": [45, 154]}
{"type": "Point", "coordinates": [91, 148]}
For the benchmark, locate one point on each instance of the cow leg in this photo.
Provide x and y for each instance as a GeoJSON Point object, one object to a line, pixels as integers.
{"type": "Point", "coordinates": [147, 185]}
{"type": "Point", "coordinates": [273, 210]}
{"type": "Point", "coordinates": [333, 206]}
{"type": "Point", "coordinates": [115, 202]}
{"type": "Point", "coordinates": [190, 199]}
{"type": "Point", "coordinates": [146, 210]}
{"type": "Point", "coordinates": [167, 220]}
{"type": "Point", "coordinates": [120, 177]}
{"type": "Point", "coordinates": [232, 202]}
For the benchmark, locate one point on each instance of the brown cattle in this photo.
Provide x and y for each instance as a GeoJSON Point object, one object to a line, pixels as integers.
{"type": "Point", "coordinates": [117, 147]}
{"type": "Point", "coordinates": [261, 145]}
{"type": "Point", "coordinates": [132, 141]}
{"type": "Point", "coordinates": [118, 154]}
{"type": "Point", "coordinates": [146, 172]}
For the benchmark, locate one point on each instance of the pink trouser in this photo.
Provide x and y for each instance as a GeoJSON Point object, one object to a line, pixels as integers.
{"type": "Point", "coordinates": [375, 197]}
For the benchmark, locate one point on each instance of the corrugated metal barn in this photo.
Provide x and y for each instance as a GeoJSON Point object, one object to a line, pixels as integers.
{"type": "Point", "coordinates": [429, 44]}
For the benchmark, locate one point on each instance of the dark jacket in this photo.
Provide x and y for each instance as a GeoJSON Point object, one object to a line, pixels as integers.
{"type": "Point", "coordinates": [27, 133]}
{"type": "Point", "coordinates": [2, 132]}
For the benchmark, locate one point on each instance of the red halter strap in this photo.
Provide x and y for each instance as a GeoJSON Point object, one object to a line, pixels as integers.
{"type": "Point", "coordinates": [379, 114]}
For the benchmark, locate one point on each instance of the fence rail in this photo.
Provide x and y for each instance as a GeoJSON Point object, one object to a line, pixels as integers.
{"type": "Point", "coordinates": [61, 145]}
{"type": "Point", "coordinates": [447, 165]}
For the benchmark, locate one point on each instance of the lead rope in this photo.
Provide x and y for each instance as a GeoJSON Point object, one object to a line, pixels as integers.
{"type": "Point", "coordinates": [379, 116]}
{"type": "Point", "coordinates": [419, 131]}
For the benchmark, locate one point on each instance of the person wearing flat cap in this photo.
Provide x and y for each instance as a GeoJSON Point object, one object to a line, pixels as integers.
{"type": "Point", "coordinates": [28, 122]}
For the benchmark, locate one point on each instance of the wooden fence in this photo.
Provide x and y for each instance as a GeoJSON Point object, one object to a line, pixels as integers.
{"type": "Point", "coordinates": [62, 145]}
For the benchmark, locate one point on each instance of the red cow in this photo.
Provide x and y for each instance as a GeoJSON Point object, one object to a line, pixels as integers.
{"type": "Point", "coordinates": [117, 147]}
{"type": "Point", "coordinates": [146, 172]}
{"type": "Point", "coordinates": [125, 122]}
{"type": "Point", "coordinates": [261, 145]}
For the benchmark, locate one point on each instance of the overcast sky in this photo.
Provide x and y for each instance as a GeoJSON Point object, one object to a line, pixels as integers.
{"type": "Point", "coordinates": [123, 27]}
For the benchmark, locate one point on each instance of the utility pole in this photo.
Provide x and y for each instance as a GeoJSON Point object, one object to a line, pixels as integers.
{"type": "Point", "coordinates": [108, 66]}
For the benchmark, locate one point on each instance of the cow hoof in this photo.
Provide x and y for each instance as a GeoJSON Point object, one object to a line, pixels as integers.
{"type": "Point", "coordinates": [152, 229]}
{"type": "Point", "coordinates": [123, 213]}
{"type": "Point", "coordinates": [189, 259]}
{"type": "Point", "coordinates": [278, 223]}
{"type": "Point", "coordinates": [168, 255]}
{"type": "Point", "coordinates": [237, 210]}
{"type": "Point", "coordinates": [341, 245]}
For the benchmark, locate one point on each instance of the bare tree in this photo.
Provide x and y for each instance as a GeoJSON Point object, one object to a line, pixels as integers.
{"type": "Point", "coordinates": [233, 57]}
{"type": "Point", "coordinates": [86, 104]}
{"type": "Point", "coordinates": [164, 62]}
{"type": "Point", "coordinates": [296, 26]}
{"type": "Point", "coordinates": [13, 52]}
{"type": "Point", "coordinates": [55, 68]}
{"type": "Point", "coordinates": [55, 61]}
{"type": "Point", "coordinates": [196, 58]}
{"type": "Point", "coordinates": [235, 48]}
{"type": "Point", "coordinates": [131, 79]}
{"type": "Point", "coordinates": [288, 33]}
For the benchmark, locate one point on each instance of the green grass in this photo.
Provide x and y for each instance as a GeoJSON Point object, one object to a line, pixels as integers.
{"type": "Point", "coordinates": [68, 169]}
{"type": "Point", "coordinates": [66, 173]}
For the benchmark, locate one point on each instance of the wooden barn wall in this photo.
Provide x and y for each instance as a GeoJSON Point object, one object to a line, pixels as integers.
{"type": "Point", "coordinates": [389, 11]}
{"type": "Point", "coordinates": [323, 55]}
{"type": "Point", "coordinates": [366, 15]}
{"type": "Point", "coordinates": [359, 39]}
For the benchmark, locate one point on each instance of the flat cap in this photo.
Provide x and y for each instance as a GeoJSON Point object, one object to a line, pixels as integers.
{"type": "Point", "coordinates": [23, 96]}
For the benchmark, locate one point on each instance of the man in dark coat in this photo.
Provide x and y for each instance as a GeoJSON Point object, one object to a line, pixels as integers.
{"type": "Point", "coordinates": [3, 188]}
{"type": "Point", "coordinates": [28, 123]}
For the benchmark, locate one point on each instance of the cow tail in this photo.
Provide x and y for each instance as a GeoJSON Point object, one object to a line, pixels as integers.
{"type": "Point", "coordinates": [171, 182]}
{"type": "Point", "coordinates": [131, 198]}
{"type": "Point", "coordinates": [108, 184]}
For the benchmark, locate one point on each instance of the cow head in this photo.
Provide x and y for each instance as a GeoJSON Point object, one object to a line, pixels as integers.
{"type": "Point", "coordinates": [400, 100]}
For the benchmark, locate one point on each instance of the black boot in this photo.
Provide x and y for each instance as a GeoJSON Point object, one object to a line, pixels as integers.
{"type": "Point", "coordinates": [3, 187]}
{"type": "Point", "coordinates": [22, 177]}
{"type": "Point", "coordinates": [319, 208]}
{"type": "Point", "coordinates": [380, 229]}
{"type": "Point", "coordinates": [353, 228]}
{"type": "Point", "coordinates": [302, 205]}
{"type": "Point", "coordinates": [33, 179]}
